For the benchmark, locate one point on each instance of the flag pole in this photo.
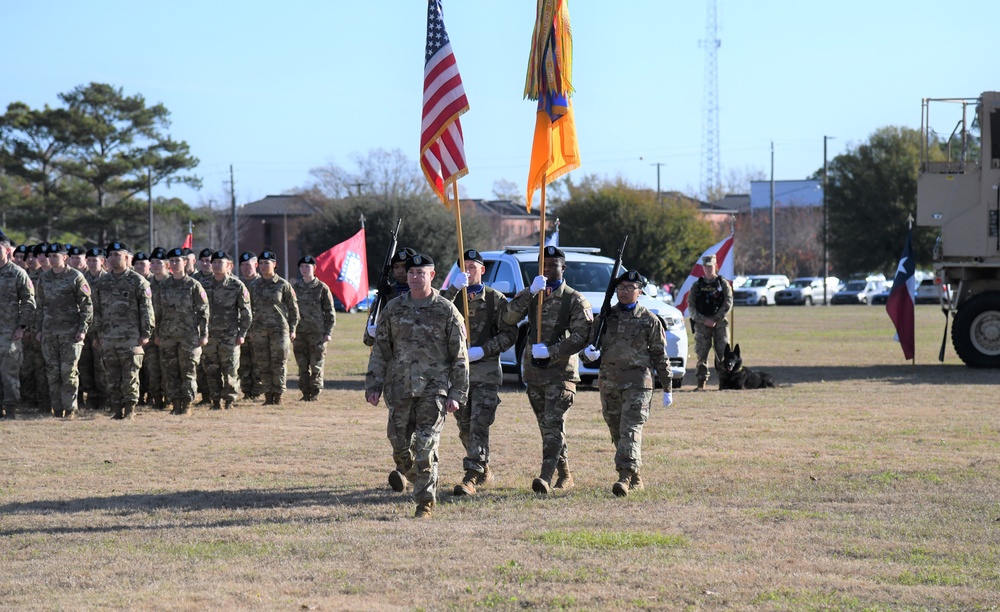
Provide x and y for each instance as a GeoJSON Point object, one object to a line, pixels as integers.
{"type": "Point", "coordinates": [461, 257]}
{"type": "Point", "coordinates": [541, 265]}
{"type": "Point", "coordinates": [732, 253]}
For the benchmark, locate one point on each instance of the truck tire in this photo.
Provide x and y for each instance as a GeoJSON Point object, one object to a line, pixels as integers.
{"type": "Point", "coordinates": [975, 332]}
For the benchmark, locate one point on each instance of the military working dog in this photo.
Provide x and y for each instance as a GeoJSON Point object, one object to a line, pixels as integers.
{"type": "Point", "coordinates": [732, 374]}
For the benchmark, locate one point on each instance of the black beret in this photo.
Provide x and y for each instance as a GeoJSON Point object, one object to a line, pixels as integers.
{"type": "Point", "coordinates": [158, 253]}
{"type": "Point", "coordinates": [117, 246]}
{"type": "Point", "coordinates": [267, 256]}
{"type": "Point", "coordinates": [247, 256]}
{"type": "Point", "coordinates": [40, 249]}
{"type": "Point", "coordinates": [22, 248]}
{"type": "Point", "coordinates": [95, 252]}
{"type": "Point", "coordinates": [177, 252]}
{"type": "Point", "coordinates": [403, 254]}
{"type": "Point", "coordinates": [553, 251]}
{"type": "Point", "coordinates": [472, 255]}
{"type": "Point", "coordinates": [308, 259]}
{"type": "Point", "coordinates": [185, 252]}
{"type": "Point", "coordinates": [3, 237]}
{"type": "Point", "coordinates": [220, 255]}
{"type": "Point", "coordinates": [419, 260]}
{"type": "Point", "coordinates": [75, 251]}
{"type": "Point", "coordinates": [141, 256]}
{"type": "Point", "coordinates": [631, 276]}
{"type": "Point", "coordinates": [56, 247]}
{"type": "Point", "coordinates": [205, 253]}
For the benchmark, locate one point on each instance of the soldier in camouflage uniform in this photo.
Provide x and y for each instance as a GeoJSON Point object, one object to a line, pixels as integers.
{"type": "Point", "coordinates": [275, 318]}
{"type": "Point", "coordinates": [551, 367]}
{"type": "Point", "coordinates": [710, 300]}
{"type": "Point", "coordinates": [633, 345]}
{"type": "Point", "coordinates": [180, 308]}
{"type": "Point", "coordinates": [34, 375]}
{"type": "Point", "coordinates": [63, 317]}
{"type": "Point", "coordinates": [228, 324]}
{"type": "Point", "coordinates": [123, 326]}
{"type": "Point", "coordinates": [93, 378]}
{"type": "Point", "coordinates": [399, 287]}
{"type": "Point", "coordinates": [488, 337]}
{"type": "Point", "coordinates": [20, 252]}
{"type": "Point", "coordinates": [204, 265]}
{"type": "Point", "coordinates": [248, 274]}
{"type": "Point", "coordinates": [77, 259]}
{"type": "Point", "coordinates": [316, 321]}
{"type": "Point", "coordinates": [420, 364]}
{"type": "Point", "coordinates": [151, 362]}
{"type": "Point", "coordinates": [140, 263]}
{"type": "Point", "coordinates": [203, 276]}
{"type": "Point", "coordinates": [17, 308]}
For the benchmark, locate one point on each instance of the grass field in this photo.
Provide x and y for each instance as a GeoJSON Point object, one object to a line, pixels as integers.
{"type": "Point", "coordinates": [862, 483]}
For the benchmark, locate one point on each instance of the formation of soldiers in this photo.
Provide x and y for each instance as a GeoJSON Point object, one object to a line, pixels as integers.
{"type": "Point", "coordinates": [434, 354]}
{"type": "Point", "coordinates": [110, 329]}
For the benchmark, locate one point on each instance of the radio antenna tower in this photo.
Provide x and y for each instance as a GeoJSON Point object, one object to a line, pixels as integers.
{"type": "Point", "coordinates": [710, 172]}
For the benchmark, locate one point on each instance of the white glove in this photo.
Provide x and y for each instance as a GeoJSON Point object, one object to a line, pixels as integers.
{"type": "Point", "coordinates": [539, 351]}
{"type": "Point", "coordinates": [591, 353]}
{"type": "Point", "coordinates": [371, 330]}
{"type": "Point", "coordinates": [537, 285]}
{"type": "Point", "coordinates": [668, 397]}
{"type": "Point", "coordinates": [461, 281]}
{"type": "Point", "coordinates": [476, 353]}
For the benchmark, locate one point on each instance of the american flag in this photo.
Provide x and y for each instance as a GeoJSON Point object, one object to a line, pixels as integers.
{"type": "Point", "coordinates": [442, 149]}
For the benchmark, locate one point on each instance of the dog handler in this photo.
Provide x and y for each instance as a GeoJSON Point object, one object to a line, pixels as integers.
{"type": "Point", "coordinates": [712, 299]}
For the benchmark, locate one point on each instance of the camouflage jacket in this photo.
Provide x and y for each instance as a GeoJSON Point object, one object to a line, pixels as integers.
{"type": "Point", "coordinates": [419, 351]}
{"type": "Point", "coordinates": [721, 294]}
{"type": "Point", "coordinates": [633, 345]}
{"type": "Point", "coordinates": [566, 321]}
{"type": "Point", "coordinates": [487, 330]}
{"type": "Point", "coordinates": [123, 308]}
{"type": "Point", "coordinates": [316, 314]}
{"type": "Point", "coordinates": [180, 308]}
{"type": "Point", "coordinates": [274, 304]}
{"type": "Point", "coordinates": [229, 305]}
{"type": "Point", "coordinates": [64, 303]}
{"type": "Point", "coordinates": [17, 298]}
{"type": "Point", "coordinates": [398, 289]}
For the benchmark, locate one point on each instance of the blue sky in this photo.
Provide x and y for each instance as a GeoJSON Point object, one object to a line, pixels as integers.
{"type": "Point", "coordinates": [276, 89]}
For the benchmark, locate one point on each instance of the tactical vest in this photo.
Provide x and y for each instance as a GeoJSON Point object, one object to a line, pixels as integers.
{"type": "Point", "coordinates": [562, 324]}
{"type": "Point", "coordinates": [710, 297]}
{"type": "Point", "coordinates": [490, 329]}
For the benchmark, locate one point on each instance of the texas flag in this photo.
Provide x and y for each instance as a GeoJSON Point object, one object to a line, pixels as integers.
{"type": "Point", "coordinates": [902, 297]}
{"type": "Point", "coordinates": [345, 269]}
{"type": "Point", "coordinates": [724, 262]}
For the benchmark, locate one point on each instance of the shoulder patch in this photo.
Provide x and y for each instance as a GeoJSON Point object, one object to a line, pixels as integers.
{"type": "Point", "coordinates": [246, 295]}
{"type": "Point", "coordinates": [204, 295]}
{"type": "Point", "coordinates": [588, 314]}
{"type": "Point", "coordinates": [85, 288]}
{"type": "Point", "coordinates": [147, 291]}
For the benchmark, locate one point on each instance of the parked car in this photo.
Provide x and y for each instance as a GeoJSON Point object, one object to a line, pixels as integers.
{"type": "Point", "coordinates": [366, 303]}
{"type": "Point", "coordinates": [512, 269]}
{"type": "Point", "coordinates": [759, 289]}
{"type": "Point", "coordinates": [928, 292]}
{"type": "Point", "coordinates": [882, 296]}
{"type": "Point", "coordinates": [859, 290]}
{"type": "Point", "coordinates": [807, 290]}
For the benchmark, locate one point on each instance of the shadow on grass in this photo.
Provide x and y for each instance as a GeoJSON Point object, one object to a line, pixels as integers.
{"type": "Point", "coordinates": [903, 374]}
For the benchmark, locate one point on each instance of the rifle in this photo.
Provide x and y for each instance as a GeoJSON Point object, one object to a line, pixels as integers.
{"type": "Point", "coordinates": [384, 288]}
{"type": "Point", "coordinates": [608, 294]}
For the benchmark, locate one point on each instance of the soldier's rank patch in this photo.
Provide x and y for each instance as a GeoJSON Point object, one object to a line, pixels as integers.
{"type": "Point", "coordinates": [588, 314]}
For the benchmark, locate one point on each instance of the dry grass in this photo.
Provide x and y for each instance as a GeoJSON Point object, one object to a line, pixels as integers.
{"type": "Point", "coordinates": [862, 483]}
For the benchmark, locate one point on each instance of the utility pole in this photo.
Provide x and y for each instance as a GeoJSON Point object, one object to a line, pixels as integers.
{"type": "Point", "coordinates": [826, 252]}
{"type": "Point", "coordinates": [773, 235]}
{"type": "Point", "coordinates": [149, 197]}
{"type": "Point", "coordinates": [358, 186]}
{"type": "Point", "coordinates": [236, 229]}
{"type": "Point", "coordinates": [659, 198]}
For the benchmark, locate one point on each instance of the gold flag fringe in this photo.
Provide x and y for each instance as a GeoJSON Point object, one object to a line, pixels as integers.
{"type": "Point", "coordinates": [550, 69]}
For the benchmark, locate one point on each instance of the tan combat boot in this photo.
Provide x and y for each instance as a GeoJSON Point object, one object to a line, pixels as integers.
{"type": "Point", "coordinates": [621, 488]}
{"type": "Point", "coordinates": [229, 404]}
{"type": "Point", "coordinates": [485, 477]}
{"type": "Point", "coordinates": [186, 407]}
{"type": "Point", "coordinates": [276, 399]}
{"type": "Point", "coordinates": [702, 385]}
{"type": "Point", "coordinates": [424, 509]}
{"type": "Point", "coordinates": [396, 481]}
{"type": "Point", "coordinates": [636, 483]}
{"type": "Point", "coordinates": [468, 484]}
{"type": "Point", "coordinates": [565, 480]}
{"type": "Point", "coordinates": [119, 413]}
{"type": "Point", "coordinates": [541, 484]}
{"type": "Point", "coordinates": [176, 407]}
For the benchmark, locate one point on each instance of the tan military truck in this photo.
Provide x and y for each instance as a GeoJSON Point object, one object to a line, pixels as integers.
{"type": "Point", "coordinates": [958, 191]}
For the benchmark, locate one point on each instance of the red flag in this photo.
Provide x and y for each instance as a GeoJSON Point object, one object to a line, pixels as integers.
{"type": "Point", "coordinates": [901, 299]}
{"type": "Point", "coordinates": [724, 263]}
{"type": "Point", "coordinates": [442, 148]}
{"type": "Point", "coordinates": [188, 242]}
{"type": "Point", "coordinates": [345, 269]}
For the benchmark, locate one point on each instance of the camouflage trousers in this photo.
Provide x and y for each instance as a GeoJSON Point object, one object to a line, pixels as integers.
{"type": "Point", "coordinates": [121, 369]}
{"type": "Point", "coordinates": [11, 356]}
{"type": "Point", "coordinates": [704, 339]}
{"type": "Point", "coordinates": [34, 375]}
{"type": "Point", "coordinates": [310, 355]}
{"type": "Point", "coordinates": [625, 411]}
{"type": "Point", "coordinates": [62, 356]}
{"type": "Point", "coordinates": [246, 368]}
{"type": "Point", "coordinates": [152, 369]}
{"type": "Point", "coordinates": [418, 422]}
{"type": "Point", "coordinates": [474, 421]}
{"type": "Point", "coordinates": [93, 378]}
{"type": "Point", "coordinates": [550, 403]}
{"type": "Point", "coordinates": [270, 350]}
{"type": "Point", "coordinates": [179, 359]}
{"type": "Point", "coordinates": [221, 358]}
